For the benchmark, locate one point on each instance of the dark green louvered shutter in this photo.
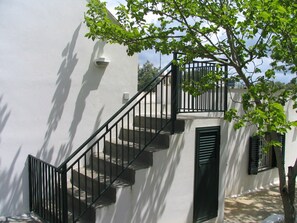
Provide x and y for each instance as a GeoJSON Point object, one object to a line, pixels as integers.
{"type": "Point", "coordinates": [282, 139]}
{"type": "Point", "coordinates": [254, 155]}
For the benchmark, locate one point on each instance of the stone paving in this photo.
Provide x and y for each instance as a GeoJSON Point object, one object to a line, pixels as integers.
{"type": "Point", "coordinates": [250, 208]}
{"type": "Point", "coordinates": [20, 219]}
{"type": "Point", "coordinates": [253, 207]}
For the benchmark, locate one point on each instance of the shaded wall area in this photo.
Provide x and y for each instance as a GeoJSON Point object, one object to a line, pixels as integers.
{"type": "Point", "coordinates": [52, 96]}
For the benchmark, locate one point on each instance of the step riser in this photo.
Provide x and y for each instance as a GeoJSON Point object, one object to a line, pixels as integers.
{"type": "Point", "coordinates": [112, 169]}
{"type": "Point", "coordinates": [92, 186]}
{"type": "Point", "coordinates": [126, 152]}
{"type": "Point", "coordinates": [142, 137]}
{"type": "Point", "coordinates": [157, 123]}
{"type": "Point", "coordinates": [77, 205]}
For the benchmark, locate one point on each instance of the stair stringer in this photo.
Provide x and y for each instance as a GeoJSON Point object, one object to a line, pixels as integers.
{"type": "Point", "coordinates": [145, 201]}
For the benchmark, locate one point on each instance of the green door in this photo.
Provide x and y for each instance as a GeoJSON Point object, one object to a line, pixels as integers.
{"type": "Point", "coordinates": [206, 184]}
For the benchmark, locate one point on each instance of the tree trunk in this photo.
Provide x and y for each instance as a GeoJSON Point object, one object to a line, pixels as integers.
{"type": "Point", "coordinates": [286, 187]}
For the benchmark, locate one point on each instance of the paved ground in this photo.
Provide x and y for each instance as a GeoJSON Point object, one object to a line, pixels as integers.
{"type": "Point", "coordinates": [21, 219]}
{"type": "Point", "coordinates": [250, 208]}
{"type": "Point", "coordinates": [253, 207]}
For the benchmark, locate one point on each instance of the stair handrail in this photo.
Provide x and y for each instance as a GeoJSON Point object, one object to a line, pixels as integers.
{"type": "Point", "coordinates": [105, 125]}
{"type": "Point", "coordinates": [171, 71]}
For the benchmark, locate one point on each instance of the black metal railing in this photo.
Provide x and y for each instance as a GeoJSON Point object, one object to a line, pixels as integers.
{"type": "Point", "coordinates": [65, 193]}
{"type": "Point", "coordinates": [212, 100]}
{"type": "Point", "coordinates": [46, 185]}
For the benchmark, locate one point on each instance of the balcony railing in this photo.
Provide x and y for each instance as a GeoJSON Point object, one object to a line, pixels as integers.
{"type": "Point", "coordinates": [53, 194]}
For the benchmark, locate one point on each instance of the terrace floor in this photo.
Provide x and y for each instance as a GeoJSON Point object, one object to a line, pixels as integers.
{"type": "Point", "coordinates": [249, 208]}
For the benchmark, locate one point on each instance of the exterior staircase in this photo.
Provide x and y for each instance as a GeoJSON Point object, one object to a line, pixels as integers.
{"type": "Point", "coordinates": [109, 159]}
{"type": "Point", "coordinates": [91, 177]}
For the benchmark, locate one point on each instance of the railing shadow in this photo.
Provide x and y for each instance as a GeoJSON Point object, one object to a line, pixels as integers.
{"type": "Point", "coordinates": [148, 201]}
{"type": "Point", "coordinates": [236, 178]}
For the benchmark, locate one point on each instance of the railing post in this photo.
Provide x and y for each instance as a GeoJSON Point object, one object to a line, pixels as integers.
{"type": "Point", "coordinates": [30, 183]}
{"type": "Point", "coordinates": [174, 90]}
{"type": "Point", "coordinates": [64, 194]}
{"type": "Point", "coordinates": [226, 89]}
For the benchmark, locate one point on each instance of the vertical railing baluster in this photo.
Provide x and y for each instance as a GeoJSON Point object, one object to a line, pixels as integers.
{"type": "Point", "coordinates": [117, 148]}
{"type": "Point", "coordinates": [156, 107]}
{"type": "Point", "coordinates": [30, 183]}
{"type": "Point", "coordinates": [225, 89]}
{"type": "Point", "coordinates": [134, 120]}
{"type": "Point", "coordinates": [192, 79]}
{"type": "Point", "coordinates": [104, 165]}
{"type": "Point", "coordinates": [166, 98]}
{"type": "Point", "coordinates": [72, 194]}
{"type": "Point", "coordinates": [60, 195]}
{"type": "Point", "coordinates": [92, 174]}
{"type": "Point", "coordinates": [151, 127]}
{"type": "Point", "coordinates": [128, 150]}
{"type": "Point", "coordinates": [98, 166]}
{"type": "Point", "coordinates": [44, 191]}
{"type": "Point", "coordinates": [139, 132]}
{"type": "Point", "coordinates": [174, 93]}
{"type": "Point", "coordinates": [145, 127]}
{"type": "Point", "coordinates": [188, 95]}
{"type": "Point", "coordinates": [78, 185]}
{"type": "Point", "coordinates": [86, 183]}
{"type": "Point", "coordinates": [55, 194]}
{"type": "Point", "coordinates": [49, 193]}
{"type": "Point", "coordinates": [64, 194]}
{"type": "Point", "coordinates": [122, 160]}
{"type": "Point", "coordinates": [110, 155]}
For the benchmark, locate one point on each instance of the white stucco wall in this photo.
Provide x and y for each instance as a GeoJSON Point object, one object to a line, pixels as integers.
{"type": "Point", "coordinates": [164, 193]}
{"type": "Point", "coordinates": [52, 97]}
{"type": "Point", "coordinates": [236, 177]}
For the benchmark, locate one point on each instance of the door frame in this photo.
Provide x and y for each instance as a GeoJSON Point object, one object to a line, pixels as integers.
{"type": "Point", "coordinates": [198, 131]}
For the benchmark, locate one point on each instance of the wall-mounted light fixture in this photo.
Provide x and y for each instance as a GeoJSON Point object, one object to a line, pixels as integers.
{"type": "Point", "coordinates": [126, 96]}
{"type": "Point", "coordinates": [101, 62]}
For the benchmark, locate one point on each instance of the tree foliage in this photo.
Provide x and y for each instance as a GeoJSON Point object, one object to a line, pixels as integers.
{"type": "Point", "coordinates": [242, 34]}
{"type": "Point", "coordinates": [146, 74]}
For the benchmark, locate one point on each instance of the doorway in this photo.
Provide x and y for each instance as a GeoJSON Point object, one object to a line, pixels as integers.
{"type": "Point", "coordinates": [206, 183]}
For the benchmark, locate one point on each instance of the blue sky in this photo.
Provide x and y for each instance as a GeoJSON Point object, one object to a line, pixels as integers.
{"type": "Point", "coordinates": [163, 60]}
{"type": "Point", "coordinates": [148, 55]}
{"type": "Point", "coordinates": [155, 58]}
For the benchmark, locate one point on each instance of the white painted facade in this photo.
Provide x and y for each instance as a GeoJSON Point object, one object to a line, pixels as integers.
{"type": "Point", "coordinates": [164, 193]}
{"type": "Point", "coordinates": [52, 97]}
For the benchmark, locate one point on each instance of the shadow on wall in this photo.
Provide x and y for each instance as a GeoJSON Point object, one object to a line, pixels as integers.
{"type": "Point", "coordinates": [150, 190]}
{"type": "Point", "coordinates": [4, 115]}
{"type": "Point", "coordinates": [10, 187]}
{"type": "Point", "coordinates": [236, 155]}
{"type": "Point", "coordinates": [63, 84]}
{"type": "Point", "coordinates": [14, 197]}
{"type": "Point", "coordinates": [91, 82]}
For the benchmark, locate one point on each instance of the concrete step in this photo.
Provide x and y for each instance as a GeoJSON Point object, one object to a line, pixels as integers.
{"type": "Point", "coordinates": [143, 136]}
{"type": "Point", "coordinates": [157, 122]}
{"type": "Point", "coordinates": [128, 151]}
{"type": "Point", "coordinates": [78, 202]}
{"type": "Point", "coordinates": [112, 166]}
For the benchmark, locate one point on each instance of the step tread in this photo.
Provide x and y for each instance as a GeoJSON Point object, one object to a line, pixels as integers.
{"type": "Point", "coordinates": [101, 202]}
{"type": "Point", "coordinates": [117, 183]}
{"type": "Point", "coordinates": [147, 130]}
{"type": "Point", "coordinates": [135, 165]}
{"type": "Point", "coordinates": [150, 148]}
